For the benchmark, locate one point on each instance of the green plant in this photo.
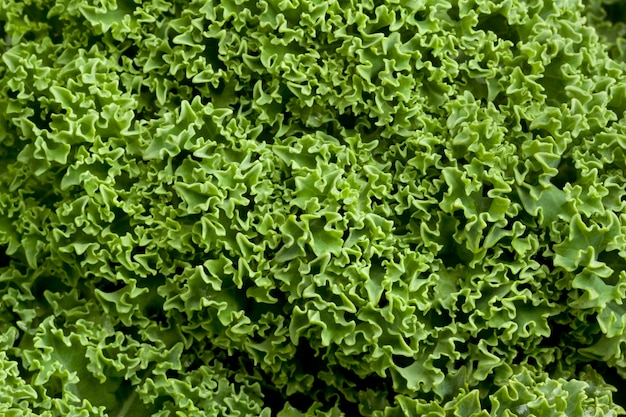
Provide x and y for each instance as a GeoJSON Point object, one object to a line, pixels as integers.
{"type": "Point", "coordinates": [312, 208]}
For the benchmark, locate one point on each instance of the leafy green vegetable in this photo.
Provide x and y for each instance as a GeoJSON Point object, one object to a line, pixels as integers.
{"type": "Point", "coordinates": [312, 208]}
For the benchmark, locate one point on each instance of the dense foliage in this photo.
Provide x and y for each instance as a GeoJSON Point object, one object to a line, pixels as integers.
{"type": "Point", "coordinates": [312, 208]}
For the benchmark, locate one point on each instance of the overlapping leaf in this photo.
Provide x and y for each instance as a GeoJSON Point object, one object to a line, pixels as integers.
{"type": "Point", "coordinates": [301, 208]}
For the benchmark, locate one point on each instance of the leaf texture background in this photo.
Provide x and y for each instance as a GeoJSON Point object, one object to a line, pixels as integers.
{"type": "Point", "coordinates": [299, 208]}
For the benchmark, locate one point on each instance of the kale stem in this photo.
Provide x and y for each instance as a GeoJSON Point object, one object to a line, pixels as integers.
{"type": "Point", "coordinates": [129, 401]}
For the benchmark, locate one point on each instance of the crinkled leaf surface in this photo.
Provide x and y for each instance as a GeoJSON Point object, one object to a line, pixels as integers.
{"type": "Point", "coordinates": [312, 208]}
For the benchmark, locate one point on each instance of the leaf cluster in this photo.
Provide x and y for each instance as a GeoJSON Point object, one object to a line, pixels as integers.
{"type": "Point", "coordinates": [312, 208]}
